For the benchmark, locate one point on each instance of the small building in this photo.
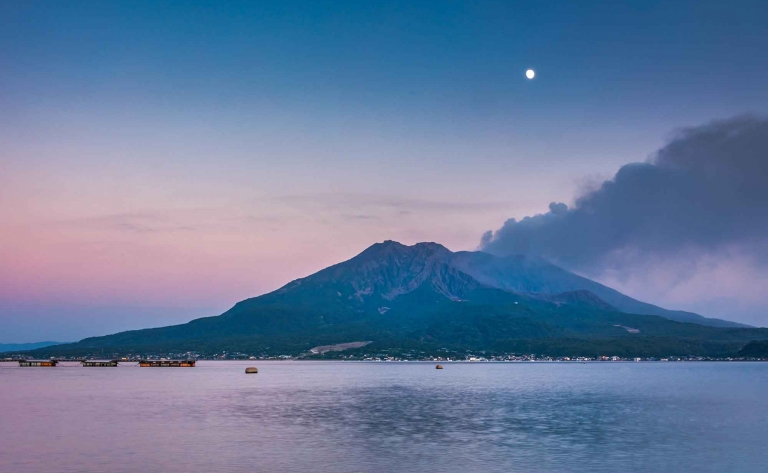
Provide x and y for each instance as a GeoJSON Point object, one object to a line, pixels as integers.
{"type": "Point", "coordinates": [27, 363]}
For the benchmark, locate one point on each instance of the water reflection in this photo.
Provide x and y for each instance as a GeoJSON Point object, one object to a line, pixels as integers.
{"type": "Point", "coordinates": [496, 428]}
{"type": "Point", "coordinates": [316, 417]}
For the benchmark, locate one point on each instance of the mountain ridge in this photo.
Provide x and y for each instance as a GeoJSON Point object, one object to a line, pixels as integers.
{"type": "Point", "coordinates": [562, 280]}
{"type": "Point", "coordinates": [426, 296]}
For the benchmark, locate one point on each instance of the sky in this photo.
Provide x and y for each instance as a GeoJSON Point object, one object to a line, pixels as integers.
{"type": "Point", "coordinates": [161, 161]}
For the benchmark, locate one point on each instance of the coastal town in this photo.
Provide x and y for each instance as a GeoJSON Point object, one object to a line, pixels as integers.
{"type": "Point", "coordinates": [383, 357]}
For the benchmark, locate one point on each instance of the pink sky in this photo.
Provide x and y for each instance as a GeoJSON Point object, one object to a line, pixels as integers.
{"type": "Point", "coordinates": [159, 163]}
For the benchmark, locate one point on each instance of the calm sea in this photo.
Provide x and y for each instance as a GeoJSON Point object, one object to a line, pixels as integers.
{"type": "Point", "coordinates": [386, 417]}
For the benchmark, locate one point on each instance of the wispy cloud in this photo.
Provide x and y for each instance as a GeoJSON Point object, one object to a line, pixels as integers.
{"type": "Point", "coordinates": [342, 201]}
{"type": "Point", "coordinates": [138, 222]}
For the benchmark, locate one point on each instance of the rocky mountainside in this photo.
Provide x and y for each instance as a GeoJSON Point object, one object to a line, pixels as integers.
{"type": "Point", "coordinates": [427, 297]}
{"type": "Point", "coordinates": [534, 275]}
{"type": "Point", "coordinates": [389, 269]}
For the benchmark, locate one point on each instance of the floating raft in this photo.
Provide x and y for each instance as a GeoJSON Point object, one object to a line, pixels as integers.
{"type": "Point", "coordinates": [167, 363]}
{"type": "Point", "coordinates": [251, 370]}
{"type": "Point", "coordinates": [439, 367]}
{"type": "Point", "coordinates": [99, 363]}
{"type": "Point", "coordinates": [49, 363]}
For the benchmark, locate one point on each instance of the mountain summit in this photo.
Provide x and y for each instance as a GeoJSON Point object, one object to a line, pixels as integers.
{"type": "Point", "coordinates": [425, 297]}
{"type": "Point", "coordinates": [388, 270]}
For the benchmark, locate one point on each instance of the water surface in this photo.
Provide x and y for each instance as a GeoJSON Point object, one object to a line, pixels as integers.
{"type": "Point", "coordinates": [386, 417]}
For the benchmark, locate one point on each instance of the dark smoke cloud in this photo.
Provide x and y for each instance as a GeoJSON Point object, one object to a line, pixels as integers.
{"type": "Point", "coordinates": [704, 192]}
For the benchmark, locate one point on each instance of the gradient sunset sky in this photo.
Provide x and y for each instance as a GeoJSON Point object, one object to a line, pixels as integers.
{"type": "Point", "coordinates": [160, 161]}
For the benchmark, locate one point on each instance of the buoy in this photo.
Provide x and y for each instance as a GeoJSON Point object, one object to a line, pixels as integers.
{"type": "Point", "coordinates": [439, 367]}
{"type": "Point", "coordinates": [251, 370]}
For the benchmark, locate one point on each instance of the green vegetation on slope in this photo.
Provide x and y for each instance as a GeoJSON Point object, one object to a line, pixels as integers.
{"type": "Point", "coordinates": [416, 298]}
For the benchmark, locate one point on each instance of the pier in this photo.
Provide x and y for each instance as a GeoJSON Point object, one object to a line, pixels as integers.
{"type": "Point", "coordinates": [48, 363]}
{"type": "Point", "coordinates": [104, 363]}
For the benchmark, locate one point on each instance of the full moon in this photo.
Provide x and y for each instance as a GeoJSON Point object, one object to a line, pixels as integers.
{"type": "Point", "coordinates": [530, 74]}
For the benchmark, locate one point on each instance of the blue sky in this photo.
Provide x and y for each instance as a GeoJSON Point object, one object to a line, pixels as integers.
{"type": "Point", "coordinates": [226, 148]}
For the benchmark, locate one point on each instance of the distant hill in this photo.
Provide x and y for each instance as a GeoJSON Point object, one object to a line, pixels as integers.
{"type": "Point", "coordinates": [755, 349]}
{"type": "Point", "coordinates": [425, 297]}
{"type": "Point", "coordinates": [15, 347]}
